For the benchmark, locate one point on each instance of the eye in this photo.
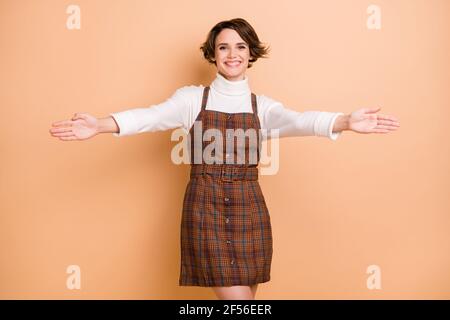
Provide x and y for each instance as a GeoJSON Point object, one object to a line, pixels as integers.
{"type": "Point", "coordinates": [240, 47]}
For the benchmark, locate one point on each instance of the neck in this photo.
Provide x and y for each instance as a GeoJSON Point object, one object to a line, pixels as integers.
{"type": "Point", "coordinates": [230, 88]}
{"type": "Point", "coordinates": [237, 78]}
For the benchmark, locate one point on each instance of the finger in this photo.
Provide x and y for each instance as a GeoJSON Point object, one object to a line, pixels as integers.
{"type": "Point", "coordinates": [380, 131]}
{"type": "Point", "coordinates": [389, 123]}
{"type": "Point", "coordinates": [60, 129]}
{"type": "Point", "coordinates": [68, 138]}
{"type": "Point", "coordinates": [64, 134]}
{"type": "Point", "coordinates": [392, 128]}
{"type": "Point", "coordinates": [62, 123]}
{"type": "Point", "coordinates": [387, 117]}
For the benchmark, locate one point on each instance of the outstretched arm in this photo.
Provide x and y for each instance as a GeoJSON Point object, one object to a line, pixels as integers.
{"type": "Point", "coordinates": [172, 113]}
{"type": "Point", "coordinates": [290, 123]}
{"type": "Point", "coordinates": [366, 120]}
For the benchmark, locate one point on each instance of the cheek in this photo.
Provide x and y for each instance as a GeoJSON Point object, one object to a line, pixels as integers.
{"type": "Point", "coordinates": [219, 55]}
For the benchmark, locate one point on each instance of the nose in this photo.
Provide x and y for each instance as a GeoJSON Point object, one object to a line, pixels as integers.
{"type": "Point", "coordinates": [231, 53]}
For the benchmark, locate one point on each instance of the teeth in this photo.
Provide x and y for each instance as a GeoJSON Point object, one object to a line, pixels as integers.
{"type": "Point", "coordinates": [232, 64]}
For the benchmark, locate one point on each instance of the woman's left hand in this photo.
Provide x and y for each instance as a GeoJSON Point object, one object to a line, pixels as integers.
{"type": "Point", "coordinates": [366, 120]}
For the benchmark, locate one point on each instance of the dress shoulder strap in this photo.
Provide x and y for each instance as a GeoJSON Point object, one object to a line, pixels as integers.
{"type": "Point", "coordinates": [254, 105]}
{"type": "Point", "coordinates": [205, 97]}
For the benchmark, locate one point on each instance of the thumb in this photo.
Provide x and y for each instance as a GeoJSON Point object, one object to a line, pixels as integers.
{"type": "Point", "coordinates": [372, 110]}
{"type": "Point", "coordinates": [79, 116]}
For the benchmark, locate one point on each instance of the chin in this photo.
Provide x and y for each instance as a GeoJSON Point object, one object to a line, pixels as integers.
{"type": "Point", "coordinates": [233, 74]}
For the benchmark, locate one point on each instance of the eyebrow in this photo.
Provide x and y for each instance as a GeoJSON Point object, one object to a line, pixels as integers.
{"type": "Point", "coordinates": [236, 43]}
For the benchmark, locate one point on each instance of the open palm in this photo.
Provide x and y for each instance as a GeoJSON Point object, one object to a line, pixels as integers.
{"type": "Point", "coordinates": [81, 127]}
{"type": "Point", "coordinates": [366, 120]}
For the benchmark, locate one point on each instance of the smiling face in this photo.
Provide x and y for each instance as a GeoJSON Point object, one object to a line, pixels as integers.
{"type": "Point", "coordinates": [231, 54]}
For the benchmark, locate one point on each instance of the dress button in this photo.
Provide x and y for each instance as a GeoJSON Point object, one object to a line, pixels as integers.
{"type": "Point", "coordinates": [227, 220]}
{"type": "Point", "coordinates": [228, 241]}
{"type": "Point", "coordinates": [232, 262]}
{"type": "Point", "coordinates": [226, 199]}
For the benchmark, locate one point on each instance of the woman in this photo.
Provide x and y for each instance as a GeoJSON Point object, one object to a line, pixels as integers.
{"type": "Point", "coordinates": [226, 238]}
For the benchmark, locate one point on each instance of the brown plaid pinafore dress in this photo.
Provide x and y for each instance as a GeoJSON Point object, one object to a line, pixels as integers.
{"type": "Point", "coordinates": [226, 235]}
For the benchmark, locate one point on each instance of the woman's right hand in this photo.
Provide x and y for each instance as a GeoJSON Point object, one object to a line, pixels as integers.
{"type": "Point", "coordinates": [82, 126]}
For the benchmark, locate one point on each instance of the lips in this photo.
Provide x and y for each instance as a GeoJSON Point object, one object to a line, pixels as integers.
{"type": "Point", "coordinates": [233, 63]}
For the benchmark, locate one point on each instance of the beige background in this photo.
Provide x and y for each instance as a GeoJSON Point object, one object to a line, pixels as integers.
{"type": "Point", "coordinates": [113, 205]}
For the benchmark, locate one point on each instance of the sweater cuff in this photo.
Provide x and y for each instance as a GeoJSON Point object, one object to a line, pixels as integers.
{"type": "Point", "coordinates": [334, 135]}
{"type": "Point", "coordinates": [323, 127]}
{"type": "Point", "coordinates": [126, 122]}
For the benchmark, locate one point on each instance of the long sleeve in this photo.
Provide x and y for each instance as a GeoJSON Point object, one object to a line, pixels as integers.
{"type": "Point", "coordinates": [275, 115]}
{"type": "Point", "coordinates": [170, 114]}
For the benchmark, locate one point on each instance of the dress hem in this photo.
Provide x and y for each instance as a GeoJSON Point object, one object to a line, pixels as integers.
{"type": "Point", "coordinates": [196, 284]}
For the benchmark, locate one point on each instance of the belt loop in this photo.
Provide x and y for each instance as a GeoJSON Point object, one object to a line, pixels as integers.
{"type": "Point", "coordinates": [247, 173]}
{"type": "Point", "coordinates": [224, 173]}
{"type": "Point", "coordinates": [202, 169]}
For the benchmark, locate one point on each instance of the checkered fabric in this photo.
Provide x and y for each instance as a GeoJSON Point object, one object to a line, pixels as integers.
{"type": "Point", "coordinates": [226, 235]}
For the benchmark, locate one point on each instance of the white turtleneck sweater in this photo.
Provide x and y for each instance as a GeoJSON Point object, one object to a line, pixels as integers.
{"type": "Point", "coordinates": [182, 108]}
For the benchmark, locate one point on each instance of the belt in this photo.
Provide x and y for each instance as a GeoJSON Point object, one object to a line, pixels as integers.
{"type": "Point", "coordinates": [225, 172]}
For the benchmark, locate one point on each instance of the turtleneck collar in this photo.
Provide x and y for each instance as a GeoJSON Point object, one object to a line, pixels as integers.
{"type": "Point", "coordinates": [230, 88]}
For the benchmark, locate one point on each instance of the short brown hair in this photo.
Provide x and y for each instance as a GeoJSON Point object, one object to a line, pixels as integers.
{"type": "Point", "coordinates": [245, 31]}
